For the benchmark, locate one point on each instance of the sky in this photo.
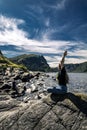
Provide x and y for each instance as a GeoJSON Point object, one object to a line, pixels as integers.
{"type": "Point", "coordinates": [44, 27]}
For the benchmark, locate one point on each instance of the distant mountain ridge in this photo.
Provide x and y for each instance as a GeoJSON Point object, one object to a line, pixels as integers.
{"type": "Point", "coordinates": [82, 67]}
{"type": "Point", "coordinates": [32, 62]}
{"type": "Point", "coordinates": [78, 68]}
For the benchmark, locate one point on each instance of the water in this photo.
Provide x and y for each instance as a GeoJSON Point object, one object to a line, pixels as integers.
{"type": "Point", "coordinates": [77, 82]}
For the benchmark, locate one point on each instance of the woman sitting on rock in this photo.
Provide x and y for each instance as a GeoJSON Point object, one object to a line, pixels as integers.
{"type": "Point", "coordinates": [62, 78]}
{"type": "Point", "coordinates": [62, 75]}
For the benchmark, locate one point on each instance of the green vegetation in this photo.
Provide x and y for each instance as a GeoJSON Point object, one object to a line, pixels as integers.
{"type": "Point", "coordinates": [5, 62]}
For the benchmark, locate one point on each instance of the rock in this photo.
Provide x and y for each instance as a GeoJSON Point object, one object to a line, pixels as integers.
{"type": "Point", "coordinates": [26, 99]}
{"type": "Point", "coordinates": [18, 89]}
{"type": "Point", "coordinates": [32, 108]}
{"type": "Point", "coordinates": [28, 91]}
{"type": "Point", "coordinates": [5, 86]}
{"type": "Point", "coordinates": [8, 71]}
{"type": "Point", "coordinates": [7, 103]}
{"type": "Point", "coordinates": [15, 81]}
{"type": "Point", "coordinates": [4, 97]}
{"type": "Point", "coordinates": [1, 83]}
{"type": "Point", "coordinates": [48, 113]}
{"type": "Point", "coordinates": [33, 88]}
{"type": "Point", "coordinates": [41, 84]}
{"type": "Point", "coordinates": [16, 77]}
{"type": "Point", "coordinates": [47, 76]}
{"type": "Point", "coordinates": [54, 78]}
{"type": "Point", "coordinates": [41, 95]}
{"type": "Point", "coordinates": [26, 77]}
{"type": "Point", "coordinates": [37, 75]}
{"type": "Point", "coordinates": [1, 53]}
{"type": "Point", "coordinates": [14, 87]}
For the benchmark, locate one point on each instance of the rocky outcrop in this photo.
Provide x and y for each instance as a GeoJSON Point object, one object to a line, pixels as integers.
{"type": "Point", "coordinates": [15, 81]}
{"type": "Point", "coordinates": [1, 53]}
{"type": "Point", "coordinates": [52, 112]}
{"type": "Point", "coordinates": [26, 105]}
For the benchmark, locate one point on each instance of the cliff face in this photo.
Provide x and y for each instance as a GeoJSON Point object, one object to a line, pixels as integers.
{"type": "Point", "coordinates": [1, 53]}
{"type": "Point", "coordinates": [53, 112]}
{"type": "Point", "coordinates": [32, 62]}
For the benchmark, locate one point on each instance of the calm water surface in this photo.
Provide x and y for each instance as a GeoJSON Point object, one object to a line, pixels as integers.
{"type": "Point", "coordinates": [77, 82]}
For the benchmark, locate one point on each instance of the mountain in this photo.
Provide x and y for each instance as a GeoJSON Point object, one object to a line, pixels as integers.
{"type": "Point", "coordinates": [38, 63]}
{"type": "Point", "coordinates": [5, 62]}
{"type": "Point", "coordinates": [32, 62]}
{"type": "Point", "coordinates": [82, 67]}
{"type": "Point", "coordinates": [1, 53]}
{"type": "Point", "coordinates": [78, 68]}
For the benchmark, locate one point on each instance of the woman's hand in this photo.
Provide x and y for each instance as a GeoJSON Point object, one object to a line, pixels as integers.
{"type": "Point", "coordinates": [65, 53]}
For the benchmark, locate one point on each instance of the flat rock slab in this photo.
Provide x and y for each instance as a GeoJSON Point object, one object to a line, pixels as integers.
{"type": "Point", "coordinates": [49, 113]}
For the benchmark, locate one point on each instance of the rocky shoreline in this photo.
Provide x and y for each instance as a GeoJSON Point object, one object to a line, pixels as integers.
{"type": "Point", "coordinates": [26, 105]}
{"type": "Point", "coordinates": [16, 83]}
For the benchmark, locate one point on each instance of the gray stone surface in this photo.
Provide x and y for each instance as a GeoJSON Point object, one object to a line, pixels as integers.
{"type": "Point", "coordinates": [48, 113]}
{"type": "Point", "coordinates": [30, 107]}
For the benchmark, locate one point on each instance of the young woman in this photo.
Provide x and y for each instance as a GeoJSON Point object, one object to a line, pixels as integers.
{"type": "Point", "coordinates": [62, 75]}
{"type": "Point", "coordinates": [62, 78]}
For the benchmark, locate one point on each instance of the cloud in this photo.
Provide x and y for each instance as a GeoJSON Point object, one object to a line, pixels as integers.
{"type": "Point", "coordinates": [9, 31]}
{"type": "Point", "coordinates": [12, 53]}
{"type": "Point", "coordinates": [9, 22]}
{"type": "Point", "coordinates": [73, 57]}
{"type": "Point", "coordinates": [11, 34]}
{"type": "Point", "coordinates": [47, 22]}
{"type": "Point", "coordinates": [79, 53]}
{"type": "Point", "coordinates": [59, 5]}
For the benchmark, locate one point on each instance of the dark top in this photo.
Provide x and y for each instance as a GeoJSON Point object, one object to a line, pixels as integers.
{"type": "Point", "coordinates": [62, 76]}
